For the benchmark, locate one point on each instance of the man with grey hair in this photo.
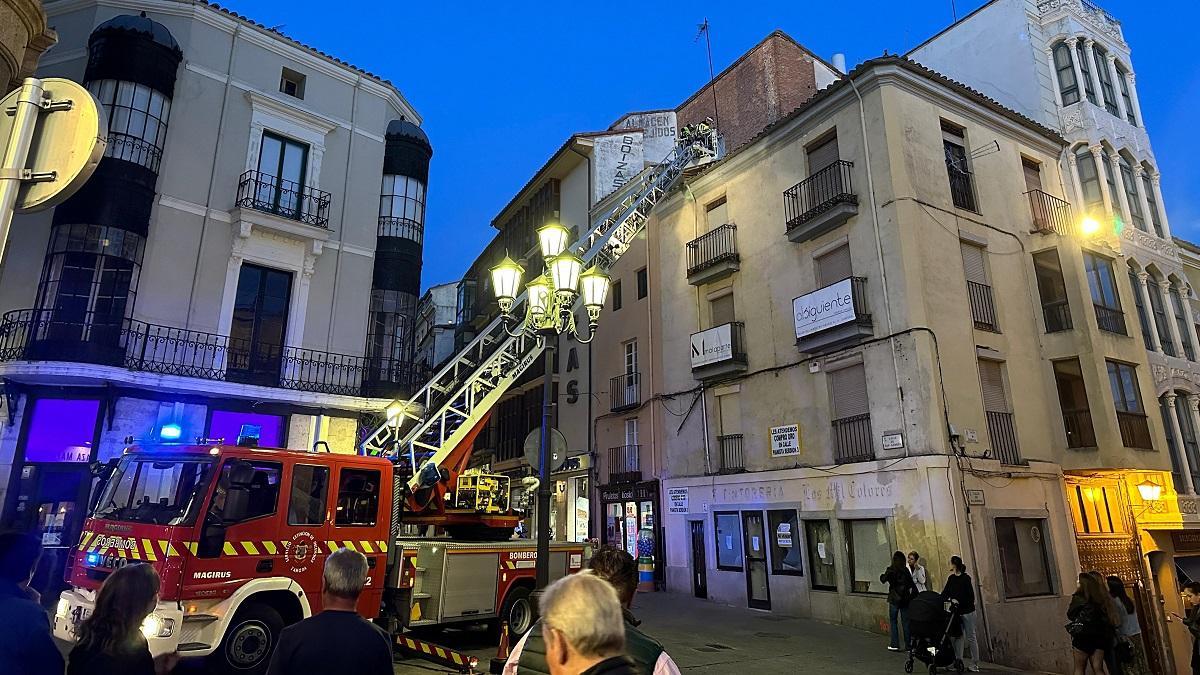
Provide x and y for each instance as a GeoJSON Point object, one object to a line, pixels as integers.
{"type": "Point", "coordinates": [583, 628]}
{"type": "Point", "coordinates": [337, 640]}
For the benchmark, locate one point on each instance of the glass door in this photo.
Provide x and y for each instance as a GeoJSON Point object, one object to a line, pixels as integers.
{"type": "Point", "coordinates": [281, 165]}
{"type": "Point", "coordinates": [758, 591]}
{"type": "Point", "coordinates": [699, 564]}
{"type": "Point", "coordinates": [259, 325]}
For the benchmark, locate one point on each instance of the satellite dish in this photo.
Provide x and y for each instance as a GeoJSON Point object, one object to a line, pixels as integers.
{"type": "Point", "coordinates": [558, 448]}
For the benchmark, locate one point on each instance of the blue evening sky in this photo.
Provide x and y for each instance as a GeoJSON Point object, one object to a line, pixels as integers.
{"type": "Point", "coordinates": [501, 85]}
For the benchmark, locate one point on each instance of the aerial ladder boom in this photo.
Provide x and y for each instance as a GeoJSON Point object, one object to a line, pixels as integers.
{"type": "Point", "coordinates": [429, 436]}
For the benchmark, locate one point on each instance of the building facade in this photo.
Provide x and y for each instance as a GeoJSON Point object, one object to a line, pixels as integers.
{"type": "Point", "coordinates": [24, 37]}
{"type": "Point", "coordinates": [205, 290]}
{"type": "Point", "coordinates": [874, 356]}
{"type": "Point", "coordinates": [434, 330]}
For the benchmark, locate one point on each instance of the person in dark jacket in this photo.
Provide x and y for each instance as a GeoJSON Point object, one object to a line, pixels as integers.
{"type": "Point", "coordinates": [583, 628]}
{"type": "Point", "coordinates": [25, 642]}
{"type": "Point", "coordinates": [111, 640]}
{"type": "Point", "coordinates": [959, 591]}
{"type": "Point", "coordinates": [1092, 625]}
{"type": "Point", "coordinates": [1191, 600]}
{"type": "Point", "coordinates": [900, 590]}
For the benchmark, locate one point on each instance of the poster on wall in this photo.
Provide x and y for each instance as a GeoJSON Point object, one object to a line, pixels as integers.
{"type": "Point", "coordinates": [785, 440]}
{"type": "Point", "coordinates": [616, 158]}
{"type": "Point", "coordinates": [677, 500]}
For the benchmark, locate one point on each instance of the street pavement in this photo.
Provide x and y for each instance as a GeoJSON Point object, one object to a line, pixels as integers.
{"type": "Point", "coordinates": [705, 638]}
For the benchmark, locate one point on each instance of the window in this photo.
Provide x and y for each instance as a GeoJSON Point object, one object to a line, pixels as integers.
{"type": "Point", "coordinates": [89, 283]}
{"type": "Point", "coordinates": [997, 412]}
{"type": "Point", "coordinates": [1165, 409]}
{"type": "Point", "coordinates": [1089, 181]}
{"type": "Point", "coordinates": [979, 292]}
{"type": "Point", "coordinates": [823, 573]}
{"type": "Point", "coordinates": [259, 326]}
{"type": "Point", "coordinates": [954, 143]}
{"type": "Point", "coordinates": [1024, 561]}
{"type": "Point", "coordinates": [721, 310]}
{"type": "Point", "coordinates": [282, 170]}
{"type": "Point", "coordinates": [402, 208]}
{"type": "Point", "coordinates": [261, 487]}
{"type": "Point", "coordinates": [1152, 202]}
{"type": "Point", "coordinates": [1103, 288]}
{"type": "Point", "coordinates": [833, 266]}
{"type": "Point", "coordinates": [1123, 82]}
{"type": "Point", "coordinates": [137, 120]}
{"type": "Point", "coordinates": [1159, 307]}
{"type": "Point", "coordinates": [717, 214]}
{"type": "Point", "coordinates": [358, 497]}
{"type": "Point", "coordinates": [1106, 83]}
{"type": "Point", "coordinates": [1056, 311]}
{"type": "Point", "coordinates": [1182, 323]}
{"type": "Point", "coordinates": [870, 551]}
{"type": "Point", "coordinates": [631, 431]}
{"type": "Point", "coordinates": [851, 409]}
{"type": "Point", "coordinates": [1143, 318]}
{"type": "Point", "coordinates": [822, 153]}
{"type": "Point", "coordinates": [291, 83]}
{"type": "Point", "coordinates": [1068, 86]}
{"type": "Point", "coordinates": [1110, 179]}
{"type": "Point", "coordinates": [1085, 67]}
{"type": "Point", "coordinates": [729, 541]}
{"type": "Point", "coordinates": [1032, 169]}
{"type": "Point", "coordinates": [61, 430]}
{"type": "Point", "coordinates": [1091, 507]}
{"type": "Point", "coordinates": [631, 357]}
{"type": "Point", "coordinates": [1187, 433]}
{"type": "Point", "coordinates": [615, 292]}
{"type": "Point", "coordinates": [1131, 416]}
{"type": "Point", "coordinates": [1073, 401]}
{"type": "Point", "coordinates": [1131, 194]}
{"type": "Point", "coordinates": [785, 542]}
{"type": "Point", "coordinates": [306, 505]}
{"type": "Point", "coordinates": [643, 283]}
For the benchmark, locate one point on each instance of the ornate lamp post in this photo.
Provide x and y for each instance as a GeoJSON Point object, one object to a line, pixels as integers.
{"type": "Point", "coordinates": [549, 299]}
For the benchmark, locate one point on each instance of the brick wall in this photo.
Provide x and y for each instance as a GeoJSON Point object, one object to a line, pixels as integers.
{"type": "Point", "coordinates": [768, 82]}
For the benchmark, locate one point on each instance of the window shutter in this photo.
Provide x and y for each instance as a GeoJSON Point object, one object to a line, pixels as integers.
{"type": "Point", "coordinates": [716, 214]}
{"type": "Point", "coordinates": [822, 155]}
{"type": "Point", "coordinates": [848, 391]}
{"type": "Point", "coordinates": [731, 414]}
{"type": "Point", "coordinates": [834, 266]}
{"type": "Point", "coordinates": [722, 310]}
{"type": "Point", "coordinates": [973, 263]}
{"type": "Point", "coordinates": [991, 380]}
{"type": "Point", "coordinates": [1033, 174]}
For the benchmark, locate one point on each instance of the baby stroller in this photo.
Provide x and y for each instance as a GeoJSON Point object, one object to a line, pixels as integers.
{"type": "Point", "coordinates": [931, 627]}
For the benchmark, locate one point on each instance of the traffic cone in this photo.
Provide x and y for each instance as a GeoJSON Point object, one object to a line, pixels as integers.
{"type": "Point", "coordinates": [501, 650]}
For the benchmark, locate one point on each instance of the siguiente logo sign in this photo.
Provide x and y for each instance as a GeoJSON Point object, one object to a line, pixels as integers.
{"type": "Point", "coordinates": [824, 308]}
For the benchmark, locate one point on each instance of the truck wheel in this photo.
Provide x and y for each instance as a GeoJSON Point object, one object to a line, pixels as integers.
{"type": "Point", "coordinates": [250, 640]}
{"type": "Point", "coordinates": [518, 612]}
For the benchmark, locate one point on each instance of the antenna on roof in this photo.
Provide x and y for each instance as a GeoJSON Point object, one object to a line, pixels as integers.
{"type": "Point", "coordinates": [706, 32]}
{"type": "Point", "coordinates": [277, 27]}
{"type": "Point", "coordinates": [988, 149]}
{"type": "Point", "coordinates": [953, 11]}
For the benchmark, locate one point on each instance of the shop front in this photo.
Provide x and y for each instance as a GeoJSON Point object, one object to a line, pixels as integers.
{"type": "Point", "coordinates": [630, 513]}
{"type": "Point", "coordinates": [570, 518]}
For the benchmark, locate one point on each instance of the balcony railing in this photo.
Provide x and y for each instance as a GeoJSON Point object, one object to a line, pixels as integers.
{"type": "Point", "coordinates": [1057, 315]}
{"type": "Point", "coordinates": [732, 459]}
{"type": "Point", "coordinates": [713, 248]}
{"type": "Point", "coordinates": [983, 309]}
{"type": "Point", "coordinates": [1003, 433]}
{"type": "Point", "coordinates": [962, 188]}
{"type": "Point", "coordinates": [284, 198]}
{"type": "Point", "coordinates": [625, 391]}
{"type": "Point", "coordinates": [1050, 214]}
{"type": "Point", "coordinates": [405, 228]}
{"type": "Point", "coordinates": [46, 335]}
{"type": "Point", "coordinates": [852, 439]}
{"type": "Point", "coordinates": [1111, 320]}
{"type": "Point", "coordinates": [624, 464]}
{"type": "Point", "coordinates": [818, 193]}
{"type": "Point", "coordinates": [720, 350]}
{"type": "Point", "coordinates": [1078, 425]}
{"type": "Point", "coordinates": [1135, 430]}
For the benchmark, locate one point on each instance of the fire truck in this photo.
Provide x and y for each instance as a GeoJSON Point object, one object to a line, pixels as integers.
{"type": "Point", "coordinates": [239, 533]}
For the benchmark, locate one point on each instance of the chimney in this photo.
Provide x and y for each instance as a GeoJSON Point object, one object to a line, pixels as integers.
{"type": "Point", "coordinates": [839, 63]}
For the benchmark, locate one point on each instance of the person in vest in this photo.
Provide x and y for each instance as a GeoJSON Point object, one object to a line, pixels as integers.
{"type": "Point", "coordinates": [620, 570]}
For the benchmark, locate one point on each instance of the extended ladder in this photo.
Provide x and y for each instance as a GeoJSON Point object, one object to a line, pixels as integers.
{"type": "Point", "coordinates": [426, 436]}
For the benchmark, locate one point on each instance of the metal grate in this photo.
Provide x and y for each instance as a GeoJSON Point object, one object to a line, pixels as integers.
{"type": "Point", "coordinates": [1050, 214]}
{"type": "Point", "coordinates": [1003, 433]}
{"type": "Point", "coordinates": [717, 246]}
{"type": "Point", "coordinates": [983, 309]}
{"type": "Point", "coordinates": [852, 439]}
{"type": "Point", "coordinates": [818, 193]}
{"type": "Point", "coordinates": [284, 198]}
{"type": "Point", "coordinates": [732, 458]}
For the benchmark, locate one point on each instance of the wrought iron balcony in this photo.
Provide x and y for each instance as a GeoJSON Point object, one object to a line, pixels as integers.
{"type": "Point", "coordinates": [405, 228]}
{"type": "Point", "coordinates": [1057, 315]}
{"type": "Point", "coordinates": [719, 351]}
{"type": "Point", "coordinates": [625, 392]}
{"type": "Point", "coordinates": [1135, 430]}
{"type": "Point", "coordinates": [732, 458]}
{"type": "Point", "coordinates": [1078, 425]}
{"type": "Point", "coordinates": [46, 335]}
{"type": "Point", "coordinates": [713, 255]}
{"type": "Point", "coordinates": [983, 309]}
{"type": "Point", "coordinates": [283, 198]}
{"type": "Point", "coordinates": [820, 202]}
{"type": "Point", "coordinates": [1050, 214]}
{"type": "Point", "coordinates": [852, 439]}
{"type": "Point", "coordinates": [1003, 433]}
{"type": "Point", "coordinates": [1111, 320]}
{"type": "Point", "coordinates": [832, 317]}
{"type": "Point", "coordinates": [624, 464]}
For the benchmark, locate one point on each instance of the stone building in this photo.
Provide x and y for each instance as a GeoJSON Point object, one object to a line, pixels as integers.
{"type": "Point", "coordinates": [434, 330]}
{"type": "Point", "coordinates": [219, 273]}
{"type": "Point", "coordinates": [24, 35]}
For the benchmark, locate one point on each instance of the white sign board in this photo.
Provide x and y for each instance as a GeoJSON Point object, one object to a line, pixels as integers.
{"type": "Point", "coordinates": [712, 346]}
{"type": "Point", "coordinates": [785, 440]}
{"type": "Point", "coordinates": [615, 159]}
{"type": "Point", "coordinates": [659, 130]}
{"type": "Point", "coordinates": [783, 535]}
{"type": "Point", "coordinates": [893, 441]}
{"type": "Point", "coordinates": [677, 500]}
{"type": "Point", "coordinates": [824, 308]}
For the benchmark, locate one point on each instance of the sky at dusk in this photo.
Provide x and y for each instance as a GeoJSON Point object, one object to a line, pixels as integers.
{"type": "Point", "coordinates": [501, 85]}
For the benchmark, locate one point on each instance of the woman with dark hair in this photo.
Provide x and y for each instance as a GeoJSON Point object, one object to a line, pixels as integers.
{"type": "Point", "coordinates": [111, 640]}
{"type": "Point", "coordinates": [959, 591]}
{"type": "Point", "coordinates": [901, 589]}
{"type": "Point", "coordinates": [1129, 632]}
{"type": "Point", "coordinates": [1092, 623]}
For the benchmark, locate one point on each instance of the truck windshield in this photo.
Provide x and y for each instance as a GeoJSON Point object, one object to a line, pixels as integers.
{"type": "Point", "coordinates": [158, 490]}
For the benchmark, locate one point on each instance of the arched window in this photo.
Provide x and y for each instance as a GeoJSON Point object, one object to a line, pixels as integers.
{"type": "Point", "coordinates": [1131, 194]}
{"type": "Point", "coordinates": [1123, 82]}
{"type": "Point", "coordinates": [1085, 66]}
{"type": "Point", "coordinates": [1152, 201]}
{"type": "Point", "coordinates": [402, 208]}
{"type": "Point", "coordinates": [1089, 181]}
{"type": "Point", "coordinates": [1143, 319]}
{"type": "Point", "coordinates": [137, 120]}
{"type": "Point", "coordinates": [1106, 83]}
{"type": "Point", "coordinates": [1068, 86]}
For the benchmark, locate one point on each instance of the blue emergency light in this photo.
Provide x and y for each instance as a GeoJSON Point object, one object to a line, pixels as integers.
{"type": "Point", "coordinates": [92, 559]}
{"type": "Point", "coordinates": [170, 432]}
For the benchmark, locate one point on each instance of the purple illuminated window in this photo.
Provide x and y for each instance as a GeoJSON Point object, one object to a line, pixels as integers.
{"type": "Point", "coordinates": [227, 425]}
{"type": "Point", "coordinates": [61, 430]}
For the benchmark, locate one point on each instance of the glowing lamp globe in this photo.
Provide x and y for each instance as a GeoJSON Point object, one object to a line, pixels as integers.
{"type": "Point", "coordinates": [564, 272]}
{"type": "Point", "coordinates": [552, 238]}
{"type": "Point", "coordinates": [506, 279]}
{"type": "Point", "coordinates": [1089, 226]}
{"type": "Point", "coordinates": [593, 285]}
{"type": "Point", "coordinates": [538, 296]}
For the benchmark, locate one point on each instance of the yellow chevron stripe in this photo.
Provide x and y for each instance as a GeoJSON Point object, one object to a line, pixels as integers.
{"type": "Point", "coordinates": [121, 552]}
{"type": "Point", "coordinates": [366, 547]}
{"type": "Point", "coordinates": [164, 546]}
{"type": "Point", "coordinates": [87, 536]}
{"type": "Point", "coordinates": [425, 648]}
{"type": "Point", "coordinates": [191, 547]}
{"type": "Point", "coordinates": [350, 545]}
{"type": "Point", "coordinates": [332, 546]}
{"type": "Point", "coordinates": [270, 547]}
{"type": "Point", "coordinates": [148, 547]}
{"type": "Point", "coordinates": [228, 549]}
{"type": "Point", "coordinates": [382, 547]}
{"type": "Point", "coordinates": [251, 549]}
{"type": "Point", "coordinates": [458, 660]}
{"type": "Point", "coordinates": [440, 652]}
{"type": "Point", "coordinates": [95, 545]}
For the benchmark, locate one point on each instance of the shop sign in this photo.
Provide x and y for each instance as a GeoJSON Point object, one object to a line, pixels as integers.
{"type": "Point", "coordinates": [622, 493]}
{"type": "Point", "coordinates": [712, 346]}
{"type": "Point", "coordinates": [893, 441]}
{"type": "Point", "coordinates": [785, 440]}
{"type": "Point", "coordinates": [1186, 540]}
{"type": "Point", "coordinates": [824, 308]}
{"type": "Point", "coordinates": [677, 500]}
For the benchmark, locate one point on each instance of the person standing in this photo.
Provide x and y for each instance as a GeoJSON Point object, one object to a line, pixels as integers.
{"type": "Point", "coordinates": [1092, 621]}
{"type": "Point", "coordinates": [583, 628]}
{"type": "Point", "coordinates": [338, 640]}
{"type": "Point", "coordinates": [918, 571]}
{"type": "Point", "coordinates": [111, 640]}
{"type": "Point", "coordinates": [900, 590]}
{"type": "Point", "coordinates": [1191, 604]}
{"type": "Point", "coordinates": [26, 645]}
{"type": "Point", "coordinates": [960, 592]}
{"type": "Point", "coordinates": [1129, 632]}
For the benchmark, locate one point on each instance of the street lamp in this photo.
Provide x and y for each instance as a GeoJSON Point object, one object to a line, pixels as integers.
{"type": "Point", "coordinates": [549, 299]}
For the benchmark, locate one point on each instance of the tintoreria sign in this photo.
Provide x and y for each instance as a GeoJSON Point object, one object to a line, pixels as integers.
{"type": "Point", "coordinates": [824, 308]}
{"type": "Point", "coordinates": [712, 346]}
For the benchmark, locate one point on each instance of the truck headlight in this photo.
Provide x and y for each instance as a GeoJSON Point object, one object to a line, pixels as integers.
{"type": "Point", "coordinates": [155, 626]}
{"type": "Point", "coordinates": [64, 608]}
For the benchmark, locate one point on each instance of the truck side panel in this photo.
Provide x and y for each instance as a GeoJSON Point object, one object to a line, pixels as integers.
{"type": "Point", "coordinates": [470, 585]}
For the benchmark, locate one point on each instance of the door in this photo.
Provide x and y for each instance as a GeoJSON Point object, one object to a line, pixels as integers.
{"type": "Point", "coordinates": [758, 591]}
{"type": "Point", "coordinates": [260, 315]}
{"type": "Point", "coordinates": [631, 373]}
{"type": "Point", "coordinates": [51, 505]}
{"type": "Point", "coordinates": [1033, 186]}
{"type": "Point", "coordinates": [699, 565]}
{"type": "Point", "coordinates": [282, 164]}
{"type": "Point", "coordinates": [357, 526]}
{"type": "Point", "coordinates": [305, 527]}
